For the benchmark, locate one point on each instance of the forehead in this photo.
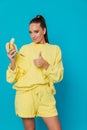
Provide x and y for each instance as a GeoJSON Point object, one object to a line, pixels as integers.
{"type": "Point", "coordinates": [34, 26]}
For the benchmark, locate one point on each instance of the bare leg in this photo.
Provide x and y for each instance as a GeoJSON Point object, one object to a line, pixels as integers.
{"type": "Point", "coordinates": [29, 123]}
{"type": "Point", "coordinates": [52, 123]}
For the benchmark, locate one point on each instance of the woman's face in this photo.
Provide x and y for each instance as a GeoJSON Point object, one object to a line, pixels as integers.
{"type": "Point", "coordinates": [37, 33]}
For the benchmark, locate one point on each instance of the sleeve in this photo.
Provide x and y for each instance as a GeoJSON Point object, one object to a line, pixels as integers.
{"type": "Point", "coordinates": [12, 76]}
{"type": "Point", "coordinates": [54, 73]}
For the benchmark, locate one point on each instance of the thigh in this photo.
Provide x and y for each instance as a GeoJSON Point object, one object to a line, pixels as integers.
{"type": "Point", "coordinates": [47, 103]}
{"type": "Point", "coordinates": [52, 123]}
{"type": "Point", "coordinates": [29, 123]}
{"type": "Point", "coordinates": [24, 104]}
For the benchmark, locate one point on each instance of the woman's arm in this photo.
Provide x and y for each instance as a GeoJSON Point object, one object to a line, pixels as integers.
{"type": "Point", "coordinates": [13, 72]}
{"type": "Point", "coordinates": [54, 73]}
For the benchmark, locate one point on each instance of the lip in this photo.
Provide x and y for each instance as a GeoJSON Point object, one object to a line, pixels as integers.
{"type": "Point", "coordinates": [34, 39]}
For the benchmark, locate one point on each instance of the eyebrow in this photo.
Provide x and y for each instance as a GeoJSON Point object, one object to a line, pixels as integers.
{"type": "Point", "coordinates": [34, 31]}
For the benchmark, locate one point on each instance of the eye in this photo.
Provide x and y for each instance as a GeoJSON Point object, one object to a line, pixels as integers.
{"type": "Point", "coordinates": [36, 31]}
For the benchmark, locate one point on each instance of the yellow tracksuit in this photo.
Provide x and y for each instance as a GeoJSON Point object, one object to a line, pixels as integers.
{"type": "Point", "coordinates": [27, 76]}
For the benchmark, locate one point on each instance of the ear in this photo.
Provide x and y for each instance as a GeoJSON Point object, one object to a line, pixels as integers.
{"type": "Point", "coordinates": [44, 31]}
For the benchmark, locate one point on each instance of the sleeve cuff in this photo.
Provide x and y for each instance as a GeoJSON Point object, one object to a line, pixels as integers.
{"type": "Point", "coordinates": [12, 71]}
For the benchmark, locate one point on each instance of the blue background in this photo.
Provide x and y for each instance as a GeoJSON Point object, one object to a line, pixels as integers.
{"type": "Point", "coordinates": [67, 27]}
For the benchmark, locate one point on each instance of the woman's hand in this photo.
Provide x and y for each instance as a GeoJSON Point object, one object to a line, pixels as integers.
{"type": "Point", "coordinates": [11, 55]}
{"type": "Point", "coordinates": [40, 62]}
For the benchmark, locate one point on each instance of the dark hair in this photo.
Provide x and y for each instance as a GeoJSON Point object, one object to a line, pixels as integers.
{"type": "Point", "coordinates": [40, 19]}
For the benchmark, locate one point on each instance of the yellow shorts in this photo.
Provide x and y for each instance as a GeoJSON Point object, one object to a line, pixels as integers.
{"type": "Point", "coordinates": [36, 102]}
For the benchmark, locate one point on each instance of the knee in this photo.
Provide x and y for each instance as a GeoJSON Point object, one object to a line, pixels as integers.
{"type": "Point", "coordinates": [28, 127]}
{"type": "Point", "coordinates": [55, 129]}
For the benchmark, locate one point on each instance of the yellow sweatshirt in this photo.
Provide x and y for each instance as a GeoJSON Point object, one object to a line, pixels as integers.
{"type": "Point", "coordinates": [27, 76]}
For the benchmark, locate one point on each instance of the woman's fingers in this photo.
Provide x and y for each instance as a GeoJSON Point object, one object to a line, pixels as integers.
{"type": "Point", "coordinates": [37, 62]}
{"type": "Point", "coordinates": [12, 53]}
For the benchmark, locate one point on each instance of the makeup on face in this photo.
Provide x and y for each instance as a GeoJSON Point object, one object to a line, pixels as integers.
{"type": "Point", "coordinates": [36, 32]}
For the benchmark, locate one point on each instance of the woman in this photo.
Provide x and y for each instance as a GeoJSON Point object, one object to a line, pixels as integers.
{"type": "Point", "coordinates": [34, 70]}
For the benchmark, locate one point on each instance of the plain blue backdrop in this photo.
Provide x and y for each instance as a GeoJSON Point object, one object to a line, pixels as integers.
{"type": "Point", "coordinates": [67, 27]}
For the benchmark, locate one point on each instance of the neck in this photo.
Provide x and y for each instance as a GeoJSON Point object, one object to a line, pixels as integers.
{"type": "Point", "coordinates": [42, 41]}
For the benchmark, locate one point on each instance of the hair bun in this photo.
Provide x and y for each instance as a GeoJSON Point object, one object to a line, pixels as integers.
{"type": "Point", "coordinates": [40, 17]}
